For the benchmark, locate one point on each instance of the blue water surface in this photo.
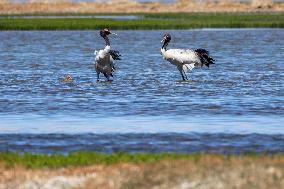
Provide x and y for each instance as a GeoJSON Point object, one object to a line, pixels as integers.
{"type": "Point", "coordinates": [241, 95]}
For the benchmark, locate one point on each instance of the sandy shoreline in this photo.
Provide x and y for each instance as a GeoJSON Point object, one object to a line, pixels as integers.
{"type": "Point", "coordinates": [208, 172]}
{"type": "Point", "coordinates": [63, 7]}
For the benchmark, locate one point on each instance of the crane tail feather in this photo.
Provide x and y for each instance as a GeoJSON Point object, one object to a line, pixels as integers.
{"type": "Point", "coordinates": [115, 54]}
{"type": "Point", "coordinates": [204, 57]}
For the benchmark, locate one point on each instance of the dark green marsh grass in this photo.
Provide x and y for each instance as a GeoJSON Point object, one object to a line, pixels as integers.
{"type": "Point", "coordinates": [93, 158]}
{"type": "Point", "coordinates": [84, 158]}
{"type": "Point", "coordinates": [150, 21]}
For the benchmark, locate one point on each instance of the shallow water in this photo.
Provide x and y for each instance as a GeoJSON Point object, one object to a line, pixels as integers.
{"type": "Point", "coordinates": [242, 94]}
{"type": "Point", "coordinates": [142, 142]}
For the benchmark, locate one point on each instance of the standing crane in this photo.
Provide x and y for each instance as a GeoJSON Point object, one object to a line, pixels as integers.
{"type": "Point", "coordinates": [105, 57]}
{"type": "Point", "coordinates": [185, 59]}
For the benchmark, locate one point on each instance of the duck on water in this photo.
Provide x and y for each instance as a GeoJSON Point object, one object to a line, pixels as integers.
{"type": "Point", "coordinates": [105, 57]}
{"type": "Point", "coordinates": [185, 59]}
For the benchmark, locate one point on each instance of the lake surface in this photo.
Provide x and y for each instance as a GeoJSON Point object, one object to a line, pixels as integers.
{"type": "Point", "coordinates": [235, 106]}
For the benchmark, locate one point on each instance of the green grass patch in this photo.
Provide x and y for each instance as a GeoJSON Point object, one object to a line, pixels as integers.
{"type": "Point", "coordinates": [150, 21]}
{"type": "Point", "coordinates": [83, 159]}
{"type": "Point", "coordinates": [92, 158]}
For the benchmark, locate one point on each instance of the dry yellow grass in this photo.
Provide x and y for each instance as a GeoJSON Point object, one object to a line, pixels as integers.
{"type": "Point", "coordinates": [127, 6]}
{"type": "Point", "coordinates": [261, 3]}
{"type": "Point", "coordinates": [208, 172]}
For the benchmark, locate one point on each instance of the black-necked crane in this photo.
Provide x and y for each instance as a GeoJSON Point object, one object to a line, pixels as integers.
{"type": "Point", "coordinates": [105, 57]}
{"type": "Point", "coordinates": [185, 59]}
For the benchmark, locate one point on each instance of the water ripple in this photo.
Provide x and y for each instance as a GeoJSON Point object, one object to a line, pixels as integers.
{"type": "Point", "coordinates": [242, 93]}
{"type": "Point", "coordinates": [143, 143]}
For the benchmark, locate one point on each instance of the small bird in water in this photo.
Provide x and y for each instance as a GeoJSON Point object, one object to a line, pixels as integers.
{"type": "Point", "coordinates": [67, 78]}
{"type": "Point", "coordinates": [185, 59]}
{"type": "Point", "coordinates": [105, 57]}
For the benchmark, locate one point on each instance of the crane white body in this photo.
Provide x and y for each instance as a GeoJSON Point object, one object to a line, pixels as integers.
{"type": "Point", "coordinates": [183, 59]}
{"type": "Point", "coordinates": [104, 61]}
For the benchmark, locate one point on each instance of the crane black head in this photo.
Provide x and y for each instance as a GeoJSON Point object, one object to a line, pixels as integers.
{"type": "Point", "coordinates": [166, 39]}
{"type": "Point", "coordinates": [105, 32]}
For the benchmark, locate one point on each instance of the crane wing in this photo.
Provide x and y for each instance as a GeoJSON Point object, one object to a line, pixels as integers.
{"type": "Point", "coordinates": [185, 58]}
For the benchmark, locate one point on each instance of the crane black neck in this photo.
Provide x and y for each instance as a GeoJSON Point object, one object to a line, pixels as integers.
{"type": "Point", "coordinates": [106, 40]}
{"type": "Point", "coordinates": [165, 45]}
{"type": "Point", "coordinates": [166, 39]}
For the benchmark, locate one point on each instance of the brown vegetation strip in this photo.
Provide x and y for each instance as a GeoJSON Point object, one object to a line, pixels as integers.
{"type": "Point", "coordinates": [47, 7]}
{"type": "Point", "coordinates": [208, 172]}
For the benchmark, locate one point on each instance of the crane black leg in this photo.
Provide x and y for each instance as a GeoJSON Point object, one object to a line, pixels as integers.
{"type": "Point", "coordinates": [185, 74]}
{"type": "Point", "coordinates": [98, 76]}
{"type": "Point", "coordinates": [107, 76]}
{"type": "Point", "coordinates": [181, 72]}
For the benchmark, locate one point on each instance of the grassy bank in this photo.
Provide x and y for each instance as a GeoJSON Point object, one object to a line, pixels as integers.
{"type": "Point", "coordinates": [91, 158]}
{"type": "Point", "coordinates": [114, 171]}
{"type": "Point", "coordinates": [87, 158]}
{"type": "Point", "coordinates": [151, 21]}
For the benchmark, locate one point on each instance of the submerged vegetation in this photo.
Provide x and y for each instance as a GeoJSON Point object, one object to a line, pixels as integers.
{"type": "Point", "coordinates": [92, 158]}
{"type": "Point", "coordinates": [150, 21]}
